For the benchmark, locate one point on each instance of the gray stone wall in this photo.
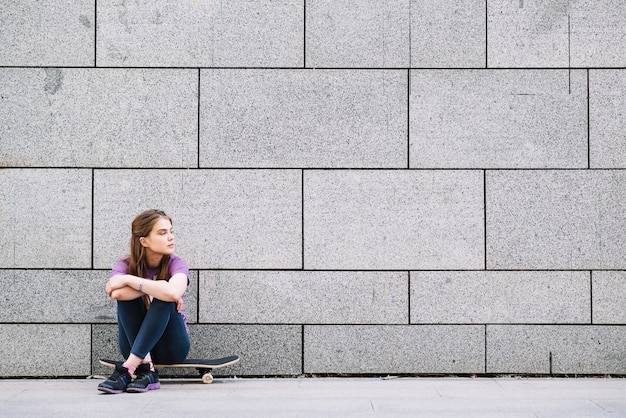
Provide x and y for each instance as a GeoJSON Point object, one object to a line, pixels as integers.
{"type": "Point", "coordinates": [359, 186]}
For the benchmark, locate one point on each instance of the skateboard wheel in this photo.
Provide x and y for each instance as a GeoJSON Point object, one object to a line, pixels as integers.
{"type": "Point", "coordinates": [207, 378]}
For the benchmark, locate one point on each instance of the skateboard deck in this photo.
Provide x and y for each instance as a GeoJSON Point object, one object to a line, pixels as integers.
{"type": "Point", "coordinates": [203, 366]}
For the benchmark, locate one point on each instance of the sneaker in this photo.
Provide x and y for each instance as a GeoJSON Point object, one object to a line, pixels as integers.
{"type": "Point", "coordinates": [146, 380]}
{"type": "Point", "coordinates": [118, 381]}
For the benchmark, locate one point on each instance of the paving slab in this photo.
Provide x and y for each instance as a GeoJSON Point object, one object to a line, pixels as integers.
{"type": "Point", "coordinates": [328, 397]}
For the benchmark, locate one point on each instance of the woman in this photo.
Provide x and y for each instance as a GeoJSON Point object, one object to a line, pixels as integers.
{"type": "Point", "coordinates": [148, 286]}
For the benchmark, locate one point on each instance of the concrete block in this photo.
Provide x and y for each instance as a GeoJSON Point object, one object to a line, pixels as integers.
{"type": "Point", "coordinates": [448, 34]}
{"type": "Point", "coordinates": [560, 33]}
{"type": "Point", "coordinates": [27, 296]}
{"type": "Point", "coordinates": [208, 33]}
{"type": "Point", "coordinates": [104, 345]}
{"type": "Point", "coordinates": [556, 219]}
{"type": "Point", "coordinates": [498, 119]}
{"type": "Point", "coordinates": [190, 305]}
{"type": "Point", "coordinates": [48, 33]}
{"type": "Point", "coordinates": [609, 297]}
{"type": "Point", "coordinates": [296, 297]}
{"type": "Point", "coordinates": [598, 33]}
{"type": "Point", "coordinates": [79, 117]}
{"type": "Point", "coordinates": [394, 349]}
{"type": "Point", "coordinates": [527, 33]}
{"type": "Point", "coordinates": [45, 216]}
{"type": "Point", "coordinates": [265, 350]}
{"type": "Point", "coordinates": [393, 220]}
{"type": "Point", "coordinates": [303, 118]}
{"type": "Point", "coordinates": [357, 33]}
{"type": "Point", "coordinates": [511, 297]}
{"type": "Point", "coordinates": [222, 218]}
{"type": "Point", "coordinates": [51, 350]}
{"type": "Point", "coordinates": [557, 349]}
{"type": "Point", "coordinates": [607, 121]}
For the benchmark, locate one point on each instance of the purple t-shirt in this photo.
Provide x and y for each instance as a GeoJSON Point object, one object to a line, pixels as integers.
{"type": "Point", "coordinates": [177, 265]}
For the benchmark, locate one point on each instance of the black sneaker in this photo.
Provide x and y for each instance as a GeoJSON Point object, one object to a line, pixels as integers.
{"type": "Point", "coordinates": [146, 380]}
{"type": "Point", "coordinates": [118, 381]}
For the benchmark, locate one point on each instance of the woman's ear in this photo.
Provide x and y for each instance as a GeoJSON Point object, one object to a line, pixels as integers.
{"type": "Point", "coordinates": [142, 241]}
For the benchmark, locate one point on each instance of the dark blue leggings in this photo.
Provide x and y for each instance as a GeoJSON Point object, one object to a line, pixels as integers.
{"type": "Point", "coordinates": [160, 331]}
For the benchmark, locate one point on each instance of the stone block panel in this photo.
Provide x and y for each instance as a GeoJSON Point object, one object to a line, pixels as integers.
{"type": "Point", "coordinates": [556, 219]}
{"type": "Point", "coordinates": [556, 349]}
{"type": "Point", "coordinates": [303, 118]}
{"type": "Point", "coordinates": [45, 216]}
{"type": "Point", "coordinates": [81, 117]}
{"type": "Point", "coordinates": [448, 34]}
{"type": "Point", "coordinates": [303, 297]}
{"type": "Point", "coordinates": [381, 349]}
{"type": "Point", "coordinates": [79, 296]}
{"type": "Point", "coordinates": [498, 119]}
{"type": "Point", "coordinates": [598, 33]}
{"type": "Point", "coordinates": [222, 218]}
{"type": "Point", "coordinates": [393, 220]}
{"type": "Point", "coordinates": [104, 345]}
{"type": "Point", "coordinates": [52, 350]}
{"type": "Point", "coordinates": [560, 33]}
{"type": "Point", "coordinates": [211, 33]}
{"type": "Point", "coordinates": [48, 33]}
{"type": "Point", "coordinates": [607, 124]}
{"type": "Point", "coordinates": [500, 297]}
{"type": "Point", "coordinates": [609, 297]}
{"type": "Point", "coordinates": [357, 33]}
{"type": "Point", "coordinates": [255, 344]}
{"type": "Point", "coordinates": [265, 350]}
{"type": "Point", "coordinates": [527, 34]}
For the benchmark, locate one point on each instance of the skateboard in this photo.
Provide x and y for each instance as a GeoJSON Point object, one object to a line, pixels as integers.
{"type": "Point", "coordinates": [203, 366]}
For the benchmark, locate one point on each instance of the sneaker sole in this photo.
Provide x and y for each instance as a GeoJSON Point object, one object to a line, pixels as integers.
{"type": "Point", "coordinates": [108, 390]}
{"type": "Point", "coordinates": [151, 386]}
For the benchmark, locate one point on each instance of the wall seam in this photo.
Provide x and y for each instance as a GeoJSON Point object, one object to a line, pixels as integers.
{"type": "Point", "coordinates": [409, 298]}
{"type": "Point", "coordinates": [198, 115]}
{"type": "Point", "coordinates": [370, 68]}
{"type": "Point", "coordinates": [95, 34]}
{"type": "Point", "coordinates": [485, 216]}
{"type": "Point", "coordinates": [408, 119]}
{"type": "Point", "coordinates": [485, 342]}
{"type": "Point", "coordinates": [91, 356]}
{"type": "Point", "coordinates": [569, 53]}
{"type": "Point", "coordinates": [302, 371]}
{"type": "Point", "coordinates": [192, 168]}
{"type": "Point", "coordinates": [486, 35]}
{"type": "Point", "coordinates": [93, 210]}
{"type": "Point", "coordinates": [304, 35]}
{"type": "Point", "coordinates": [410, 34]}
{"type": "Point", "coordinates": [302, 216]}
{"type": "Point", "coordinates": [588, 123]}
{"type": "Point", "coordinates": [591, 297]}
{"type": "Point", "coordinates": [198, 298]}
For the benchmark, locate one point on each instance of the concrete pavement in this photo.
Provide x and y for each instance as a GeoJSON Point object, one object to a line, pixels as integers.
{"type": "Point", "coordinates": [325, 397]}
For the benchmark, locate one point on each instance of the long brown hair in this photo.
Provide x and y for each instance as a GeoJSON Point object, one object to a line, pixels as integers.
{"type": "Point", "coordinates": [141, 227]}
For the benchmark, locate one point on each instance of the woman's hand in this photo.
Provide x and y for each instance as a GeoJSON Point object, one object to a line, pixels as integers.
{"type": "Point", "coordinates": [114, 283]}
{"type": "Point", "coordinates": [179, 305]}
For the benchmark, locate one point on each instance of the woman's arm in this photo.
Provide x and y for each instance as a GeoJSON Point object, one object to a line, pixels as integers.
{"type": "Point", "coordinates": [128, 287]}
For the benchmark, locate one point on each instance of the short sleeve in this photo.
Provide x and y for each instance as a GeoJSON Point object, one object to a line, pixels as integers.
{"type": "Point", "coordinates": [121, 267]}
{"type": "Point", "coordinates": [178, 265]}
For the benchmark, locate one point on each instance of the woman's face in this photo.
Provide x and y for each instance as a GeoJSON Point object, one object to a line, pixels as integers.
{"type": "Point", "coordinates": [161, 238]}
